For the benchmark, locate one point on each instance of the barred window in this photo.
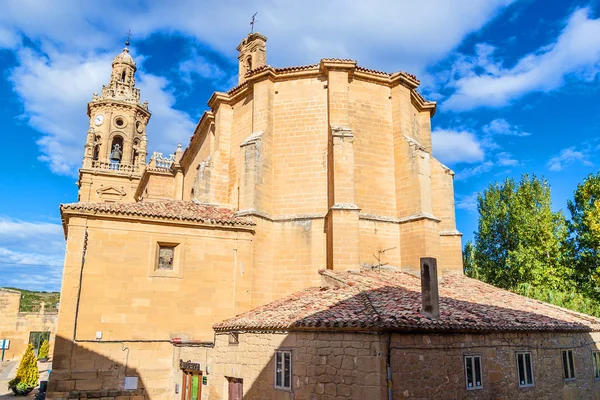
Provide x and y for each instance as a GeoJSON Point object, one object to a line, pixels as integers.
{"type": "Point", "coordinates": [568, 368]}
{"type": "Point", "coordinates": [283, 369]}
{"type": "Point", "coordinates": [166, 255]}
{"type": "Point", "coordinates": [525, 369]}
{"type": "Point", "coordinates": [596, 361]}
{"type": "Point", "coordinates": [473, 372]}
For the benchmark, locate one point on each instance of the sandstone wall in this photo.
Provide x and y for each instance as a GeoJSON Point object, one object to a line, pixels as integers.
{"type": "Point", "coordinates": [125, 298]}
{"type": "Point", "coordinates": [16, 326]}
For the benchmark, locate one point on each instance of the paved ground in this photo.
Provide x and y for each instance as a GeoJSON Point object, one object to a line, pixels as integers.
{"type": "Point", "coordinates": [8, 370]}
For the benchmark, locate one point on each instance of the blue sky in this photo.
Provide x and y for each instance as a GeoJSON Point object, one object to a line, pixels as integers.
{"type": "Point", "coordinates": [516, 83]}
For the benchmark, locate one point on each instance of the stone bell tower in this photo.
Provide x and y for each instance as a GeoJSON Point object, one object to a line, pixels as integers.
{"type": "Point", "coordinates": [115, 150]}
{"type": "Point", "coordinates": [253, 54]}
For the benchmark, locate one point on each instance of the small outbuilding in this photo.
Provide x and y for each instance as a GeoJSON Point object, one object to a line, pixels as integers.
{"type": "Point", "coordinates": [363, 332]}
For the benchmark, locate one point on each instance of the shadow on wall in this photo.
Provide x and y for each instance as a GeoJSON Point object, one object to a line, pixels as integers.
{"type": "Point", "coordinates": [342, 351]}
{"type": "Point", "coordinates": [93, 373]}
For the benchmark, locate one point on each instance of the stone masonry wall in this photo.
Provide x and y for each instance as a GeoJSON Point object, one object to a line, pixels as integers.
{"type": "Point", "coordinates": [324, 366]}
{"type": "Point", "coordinates": [16, 326]}
{"type": "Point", "coordinates": [432, 366]}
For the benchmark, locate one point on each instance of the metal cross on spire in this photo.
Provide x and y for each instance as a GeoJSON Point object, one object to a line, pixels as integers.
{"type": "Point", "coordinates": [128, 35]}
{"type": "Point", "coordinates": [253, 22]}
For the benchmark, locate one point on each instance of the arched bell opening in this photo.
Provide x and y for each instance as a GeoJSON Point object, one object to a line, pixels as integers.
{"type": "Point", "coordinates": [135, 153]}
{"type": "Point", "coordinates": [96, 152]}
{"type": "Point", "coordinates": [116, 150]}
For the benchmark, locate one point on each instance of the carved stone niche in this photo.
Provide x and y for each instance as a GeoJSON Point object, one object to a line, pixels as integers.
{"type": "Point", "coordinates": [110, 194]}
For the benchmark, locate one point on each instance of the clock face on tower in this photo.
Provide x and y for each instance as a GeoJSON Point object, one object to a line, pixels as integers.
{"type": "Point", "coordinates": [99, 119]}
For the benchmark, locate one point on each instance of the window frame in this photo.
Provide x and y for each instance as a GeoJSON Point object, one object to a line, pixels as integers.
{"type": "Point", "coordinates": [526, 368]}
{"type": "Point", "coordinates": [596, 363]}
{"type": "Point", "coordinates": [282, 386]}
{"type": "Point", "coordinates": [178, 255]}
{"type": "Point", "coordinates": [471, 360]}
{"type": "Point", "coordinates": [568, 364]}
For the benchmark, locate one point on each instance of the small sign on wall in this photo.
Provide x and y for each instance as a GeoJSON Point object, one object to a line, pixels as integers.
{"type": "Point", "coordinates": [4, 344]}
{"type": "Point", "coordinates": [204, 380]}
{"type": "Point", "coordinates": [131, 383]}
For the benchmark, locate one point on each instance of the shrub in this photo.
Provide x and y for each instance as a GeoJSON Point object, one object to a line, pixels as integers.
{"type": "Point", "coordinates": [44, 350]}
{"type": "Point", "coordinates": [27, 373]}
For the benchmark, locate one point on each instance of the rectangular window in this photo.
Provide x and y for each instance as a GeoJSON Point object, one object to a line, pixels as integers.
{"type": "Point", "coordinates": [568, 369]}
{"type": "Point", "coordinates": [283, 369]}
{"type": "Point", "coordinates": [36, 339]}
{"type": "Point", "coordinates": [473, 372]}
{"type": "Point", "coordinates": [166, 254]}
{"type": "Point", "coordinates": [596, 361]}
{"type": "Point", "coordinates": [525, 369]}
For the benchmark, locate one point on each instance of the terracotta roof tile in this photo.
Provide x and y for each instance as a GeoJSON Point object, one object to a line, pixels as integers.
{"type": "Point", "coordinates": [392, 300]}
{"type": "Point", "coordinates": [296, 68]}
{"type": "Point", "coordinates": [175, 210]}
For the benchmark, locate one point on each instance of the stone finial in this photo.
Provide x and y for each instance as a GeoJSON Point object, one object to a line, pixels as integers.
{"type": "Point", "coordinates": [178, 153]}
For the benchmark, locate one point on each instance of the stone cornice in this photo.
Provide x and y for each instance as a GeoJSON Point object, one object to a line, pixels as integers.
{"type": "Point", "coordinates": [450, 233]}
{"type": "Point", "coordinates": [321, 69]}
{"type": "Point", "coordinates": [417, 217]}
{"type": "Point", "coordinates": [202, 127]}
{"type": "Point", "coordinates": [282, 218]}
{"type": "Point", "coordinates": [115, 104]}
{"type": "Point", "coordinates": [254, 138]}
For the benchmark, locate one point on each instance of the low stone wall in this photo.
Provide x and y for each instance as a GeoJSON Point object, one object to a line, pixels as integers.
{"type": "Point", "coordinates": [16, 326]}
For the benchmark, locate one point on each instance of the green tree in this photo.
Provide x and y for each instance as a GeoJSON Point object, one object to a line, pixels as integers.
{"type": "Point", "coordinates": [469, 266]}
{"type": "Point", "coordinates": [44, 350]}
{"type": "Point", "coordinates": [27, 373]}
{"type": "Point", "coordinates": [519, 239]}
{"type": "Point", "coordinates": [584, 229]}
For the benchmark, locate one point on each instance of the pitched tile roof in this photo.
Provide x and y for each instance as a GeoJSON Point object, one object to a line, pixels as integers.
{"type": "Point", "coordinates": [380, 300]}
{"type": "Point", "coordinates": [174, 210]}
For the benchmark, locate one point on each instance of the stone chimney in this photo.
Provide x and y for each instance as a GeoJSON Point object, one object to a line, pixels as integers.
{"type": "Point", "coordinates": [429, 288]}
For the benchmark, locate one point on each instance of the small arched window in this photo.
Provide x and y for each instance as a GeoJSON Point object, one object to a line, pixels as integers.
{"type": "Point", "coordinates": [249, 64]}
{"type": "Point", "coordinates": [123, 76]}
{"type": "Point", "coordinates": [96, 152]}
{"type": "Point", "coordinates": [116, 150]}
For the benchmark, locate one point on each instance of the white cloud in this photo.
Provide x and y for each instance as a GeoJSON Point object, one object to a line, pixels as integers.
{"type": "Point", "coordinates": [467, 202]}
{"type": "Point", "coordinates": [505, 159]}
{"type": "Point", "coordinates": [55, 88]}
{"type": "Point", "coordinates": [197, 65]}
{"type": "Point", "coordinates": [32, 254]}
{"type": "Point", "coordinates": [297, 34]}
{"type": "Point", "coordinates": [567, 157]}
{"type": "Point", "coordinates": [75, 43]}
{"type": "Point", "coordinates": [483, 81]}
{"type": "Point", "coordinates": [470, 172]}
{"type": "Point", "coordinates": [451, 147]}
{"type": "Point", "coordinates": [168, 126]}
{"type": "Point", "coordinates": [500, 126]}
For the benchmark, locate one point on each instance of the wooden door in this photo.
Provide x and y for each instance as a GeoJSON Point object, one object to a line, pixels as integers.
{"type": "Point", "coordinates": [191, 385]}
{"type": "Point", "coordinates": [236, 389]}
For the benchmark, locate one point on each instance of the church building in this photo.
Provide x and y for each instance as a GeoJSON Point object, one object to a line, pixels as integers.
{"type": "Point", "coordinates": [307, 208]}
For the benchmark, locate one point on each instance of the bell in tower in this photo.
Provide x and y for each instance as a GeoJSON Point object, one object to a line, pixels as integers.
{"type": "Point", "coordinates": [116, 154]}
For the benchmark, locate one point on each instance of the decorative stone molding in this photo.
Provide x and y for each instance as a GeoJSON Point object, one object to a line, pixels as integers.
{"type": "Point", "coordinates": [342, 132]}
{"type": "Point", "coordinates": [254, 138]}
{"type": "Point", "coordinates": [282, 218]}
{"type": "Point", "coordinates": [343, 206]}
{"type": "Point", "coordinates": [450, 233]}
{"type": "Point", "coordinates": [415, 143]}
{"type": "Point", "coordinates": [418, 216]}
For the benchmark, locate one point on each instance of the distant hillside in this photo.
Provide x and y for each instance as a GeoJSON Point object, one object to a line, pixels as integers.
{"type": "Point", "coordinates": [31, 301]}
